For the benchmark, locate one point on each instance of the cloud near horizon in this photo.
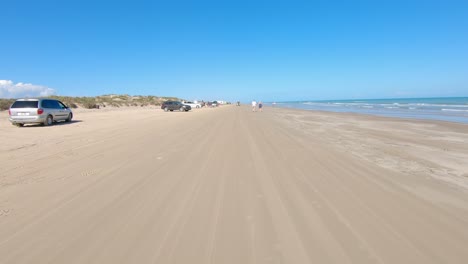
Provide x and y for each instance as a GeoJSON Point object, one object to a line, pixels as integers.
{"type": "Point", "coordinates": [9, 89]}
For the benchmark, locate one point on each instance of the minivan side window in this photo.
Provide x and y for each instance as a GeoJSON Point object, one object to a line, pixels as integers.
{"type": "Point", "coordinates": [61, 105]}
{"type": "Point", "coordinates": [54, 104]}
{"type": "Point", "coordinates": [46, 104]}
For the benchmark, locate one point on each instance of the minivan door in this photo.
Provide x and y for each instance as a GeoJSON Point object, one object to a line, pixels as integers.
{"type": "Point", "coordinates": [60, 113]}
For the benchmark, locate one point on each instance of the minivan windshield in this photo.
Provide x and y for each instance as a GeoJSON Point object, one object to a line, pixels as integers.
{"type": "Point", "coordinates": [24, 104]}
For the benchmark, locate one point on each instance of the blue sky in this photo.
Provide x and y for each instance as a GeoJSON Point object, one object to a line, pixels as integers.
{"type": "Point", "coordinates": [236, 50]}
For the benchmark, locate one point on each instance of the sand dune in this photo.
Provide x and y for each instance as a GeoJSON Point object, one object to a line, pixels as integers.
{"type": "Point", "coordinates": [228, 185]}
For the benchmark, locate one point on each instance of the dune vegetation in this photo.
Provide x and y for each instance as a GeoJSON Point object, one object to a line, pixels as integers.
{"type": "Point", "coordinates": [110, 100]}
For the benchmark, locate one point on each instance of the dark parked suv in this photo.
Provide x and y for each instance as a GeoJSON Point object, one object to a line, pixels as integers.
{"type": "Point", "coordinates": [174, 105]}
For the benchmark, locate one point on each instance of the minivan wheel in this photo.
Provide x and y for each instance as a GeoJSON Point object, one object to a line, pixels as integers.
{"type": "Point", "coordinates": [69, 119]}
{"type": "Point", "coordinates": [166, 109]}
{"type": "Point", "coordinates": [19, 125]}
{"type": "Point", "coordinates": [48, 121]}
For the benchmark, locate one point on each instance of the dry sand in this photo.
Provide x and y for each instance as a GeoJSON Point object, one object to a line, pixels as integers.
{"type": "Point", "coordinates": [228, 185]}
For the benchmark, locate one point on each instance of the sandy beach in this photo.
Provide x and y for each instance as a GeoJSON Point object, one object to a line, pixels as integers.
{"type": "Point", "coordinates": [227, 185]}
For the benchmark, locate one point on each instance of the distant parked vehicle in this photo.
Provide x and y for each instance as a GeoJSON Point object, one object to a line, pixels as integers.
{"type": "Point", "coordinates": [192, 104]}
{"type": "Point", "coordinates": [38, 111]}
{"type": "Point", "coordinates": [175, 105]}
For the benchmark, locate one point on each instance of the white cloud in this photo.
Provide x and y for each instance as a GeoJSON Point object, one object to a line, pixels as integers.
{"type": "Point", "coordinates": [8, 89]}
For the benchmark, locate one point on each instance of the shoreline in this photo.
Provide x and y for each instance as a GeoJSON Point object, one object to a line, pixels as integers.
{"type": "Point", "coordinates": [454, 109]}
{"type": "Point", "coordinates": [378, 117]}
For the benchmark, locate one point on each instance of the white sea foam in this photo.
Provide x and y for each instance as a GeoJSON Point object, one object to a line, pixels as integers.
{"type": "Point", "coordinates": [454, 110]}
{"type": "Point", "coordinates": [432, 109]}
{"type": "Point", "coordinates": [444, 105]}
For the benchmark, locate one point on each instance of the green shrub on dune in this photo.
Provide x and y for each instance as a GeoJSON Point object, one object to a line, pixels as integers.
{"type": "Point", "coordinates": [5, 104]}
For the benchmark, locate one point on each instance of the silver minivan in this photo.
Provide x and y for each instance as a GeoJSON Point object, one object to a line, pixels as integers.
{"type": "Point", "coordinates": [39, 111]}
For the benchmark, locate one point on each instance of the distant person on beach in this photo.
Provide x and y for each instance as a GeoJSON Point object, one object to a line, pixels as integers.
{"type": "Point", "coordinates": [254, 106]}
{"type": "Point", "coordinates": [260, 106]}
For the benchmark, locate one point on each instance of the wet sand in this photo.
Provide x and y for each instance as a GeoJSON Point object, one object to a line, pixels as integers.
{"type": "Point", "coordinates": [227, 185]}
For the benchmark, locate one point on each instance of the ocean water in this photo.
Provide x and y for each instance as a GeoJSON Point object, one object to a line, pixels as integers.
{"type": "Point", "coordinates": [453, 109]}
